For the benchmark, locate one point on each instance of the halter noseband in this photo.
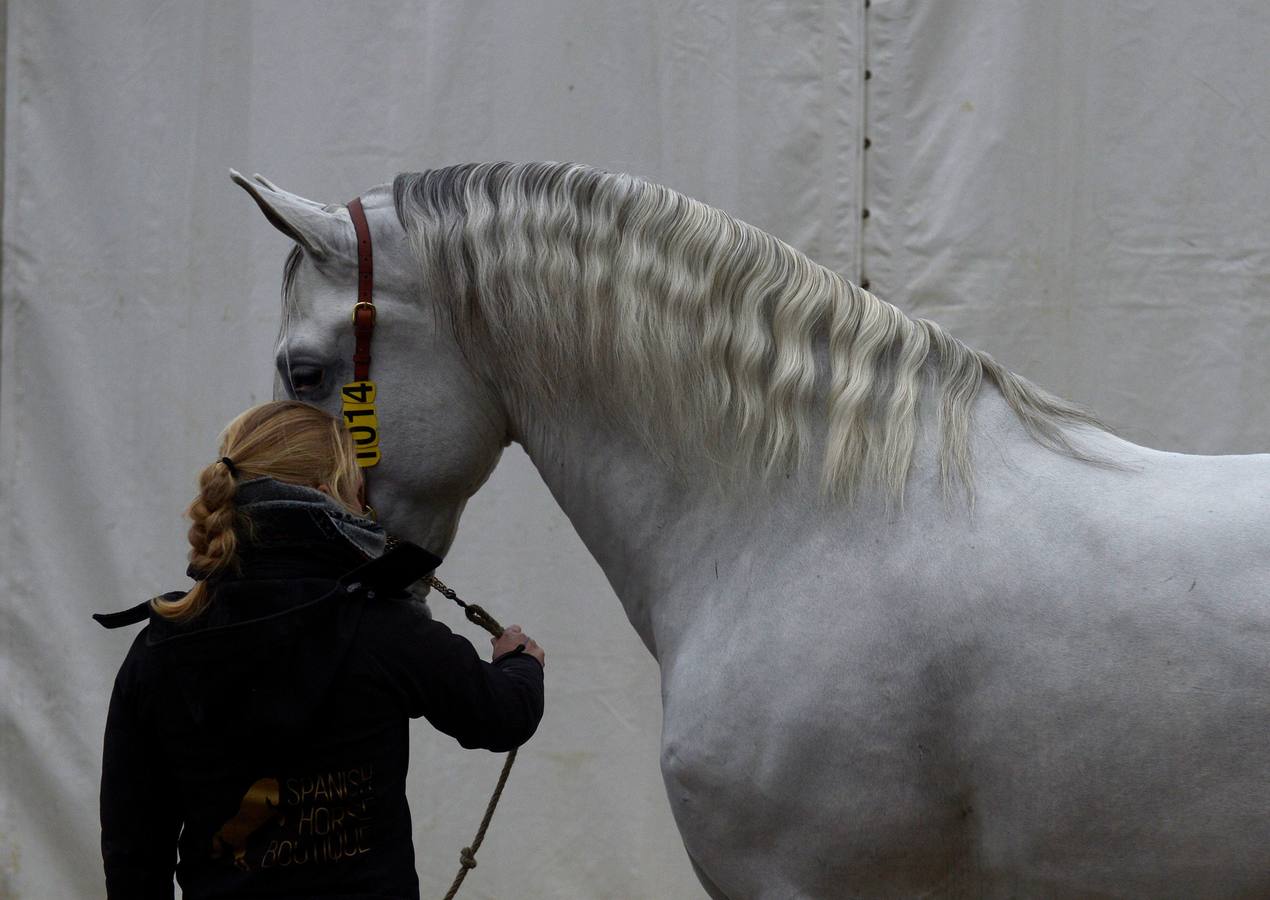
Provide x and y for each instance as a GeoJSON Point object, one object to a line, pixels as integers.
{"type": "Point", "coordinates": [358, 396]}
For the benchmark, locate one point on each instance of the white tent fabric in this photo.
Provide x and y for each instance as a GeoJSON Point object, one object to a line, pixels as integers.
{"type": "Point", "coordinates": [1079, 188]}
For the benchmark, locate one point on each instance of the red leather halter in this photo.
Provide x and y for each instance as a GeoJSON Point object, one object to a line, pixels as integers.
{"type": "Point", "coordinates": [364, 310]}
{"type": "Point", "coordinates": [358, 396]}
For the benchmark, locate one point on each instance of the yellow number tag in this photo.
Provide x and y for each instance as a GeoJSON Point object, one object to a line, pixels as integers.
{"type": "Point", "coordinates": [367, 456]}
{"type": "Point", "coordinates": [359, 393]}
{"type": "Point", "coordinates": [361, 421]}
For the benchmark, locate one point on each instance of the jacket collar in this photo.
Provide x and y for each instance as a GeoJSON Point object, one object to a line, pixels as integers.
{"type": "Point", "coordinates": [296, 546]}
{"type": "Point", "coordinates": [280, 523]}
{"type": "Point", "coordinates": [260, 498]}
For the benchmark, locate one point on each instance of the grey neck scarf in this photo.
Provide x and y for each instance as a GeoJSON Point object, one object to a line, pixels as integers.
{"type": "Point", "coordinates": [267, 494]}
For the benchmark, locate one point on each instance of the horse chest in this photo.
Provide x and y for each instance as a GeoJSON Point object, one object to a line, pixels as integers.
{"type": "Point", "coordinates": [816, 758]}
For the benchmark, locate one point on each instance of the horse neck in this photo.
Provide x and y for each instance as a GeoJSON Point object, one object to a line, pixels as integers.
{"type": "Point", "coordinates": [620, 502]}
{"type": "Point", "coordinates": [667, 548]}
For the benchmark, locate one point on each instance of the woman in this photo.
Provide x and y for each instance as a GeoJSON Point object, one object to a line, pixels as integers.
{"type": "Point", "coordinates": [260, 719]}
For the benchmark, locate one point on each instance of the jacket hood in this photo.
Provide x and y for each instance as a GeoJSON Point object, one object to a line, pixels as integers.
{"type": "Point", "coordinates": [273, 515]}
{"type": "Point", "coordinates": [265, 651]}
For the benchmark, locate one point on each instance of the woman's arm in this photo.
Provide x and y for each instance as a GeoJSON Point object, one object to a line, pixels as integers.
{"type": "Point", "coordinates": [495, 706]}
{"type": "Point", "coordinates": [140, 821]}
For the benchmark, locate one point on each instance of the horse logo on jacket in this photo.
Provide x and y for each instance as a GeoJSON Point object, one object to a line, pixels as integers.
{"type": "Point", "coordinates": [260, 806]}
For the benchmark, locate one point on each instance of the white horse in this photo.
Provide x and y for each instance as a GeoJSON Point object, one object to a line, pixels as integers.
{"type": "Point", "coordinates": [923, 629]}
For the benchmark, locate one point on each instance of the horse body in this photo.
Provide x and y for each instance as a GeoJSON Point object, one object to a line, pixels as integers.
{"type": "Point", "coordinates": [1059, 690]}
{"type": "Point", "coordinates": [1064, 691]}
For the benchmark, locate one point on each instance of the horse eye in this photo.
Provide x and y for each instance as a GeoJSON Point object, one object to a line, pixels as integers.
{"type": "Point", "coordinates": [306, 378]}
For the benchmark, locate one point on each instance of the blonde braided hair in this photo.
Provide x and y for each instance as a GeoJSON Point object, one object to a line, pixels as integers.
{"type": "Point", "coordinates": [284, 439]}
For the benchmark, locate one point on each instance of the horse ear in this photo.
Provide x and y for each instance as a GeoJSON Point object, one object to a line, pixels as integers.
{"type": "Point", "coordinates": [322, 234]}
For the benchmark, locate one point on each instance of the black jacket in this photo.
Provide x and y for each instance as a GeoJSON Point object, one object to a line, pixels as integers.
{"type": "Point", "coordinates": [270, 733]}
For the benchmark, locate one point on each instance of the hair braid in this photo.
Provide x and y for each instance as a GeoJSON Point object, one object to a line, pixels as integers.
{"type": "Point", "coordinates": [213, 542]}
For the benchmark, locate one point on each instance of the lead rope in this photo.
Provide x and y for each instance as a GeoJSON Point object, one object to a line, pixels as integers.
{"type": "Point", "coordinates": [467, 856]}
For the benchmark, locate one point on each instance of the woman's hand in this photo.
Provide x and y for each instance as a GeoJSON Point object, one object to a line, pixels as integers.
{"type": "Point", "coordinates": [514, 637]}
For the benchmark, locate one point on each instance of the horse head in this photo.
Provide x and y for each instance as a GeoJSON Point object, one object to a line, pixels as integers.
{"type": "Point", "coordinates": [442, 426]}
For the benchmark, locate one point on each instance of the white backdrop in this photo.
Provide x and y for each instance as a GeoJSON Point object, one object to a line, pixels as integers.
{"type": "Point", "coordinates": [1080, 188]}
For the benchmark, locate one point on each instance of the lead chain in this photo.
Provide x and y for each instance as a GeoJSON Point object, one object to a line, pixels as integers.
{"type": "Point", "coordinates": [467, 856]}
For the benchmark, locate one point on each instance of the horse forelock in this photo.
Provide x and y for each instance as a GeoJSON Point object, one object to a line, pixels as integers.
{"type": "Point", "coordinates": [289, 268]}
{"type": "Point", "coordinates": [693, 329]}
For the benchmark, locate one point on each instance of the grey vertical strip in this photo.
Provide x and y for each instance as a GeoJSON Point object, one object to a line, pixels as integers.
{"type": "Point", "coordinates": [861, 8]}
{"type": "Point", "coordinates": [4, 110]}
{"type": "Point", "coordinates": [842, 77]}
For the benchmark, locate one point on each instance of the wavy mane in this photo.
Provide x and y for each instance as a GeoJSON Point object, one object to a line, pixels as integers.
{"type": "Point", "coordinates": [701, 334]}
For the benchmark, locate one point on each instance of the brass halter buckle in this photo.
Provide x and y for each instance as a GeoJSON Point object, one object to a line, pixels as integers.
{"type": "Point", "coordinates": [358, 307]}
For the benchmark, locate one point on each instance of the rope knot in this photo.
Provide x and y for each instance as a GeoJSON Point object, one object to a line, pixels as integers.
{"type": "Point", "coordinates": [467, 858]}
